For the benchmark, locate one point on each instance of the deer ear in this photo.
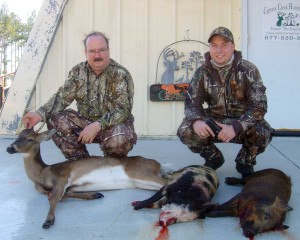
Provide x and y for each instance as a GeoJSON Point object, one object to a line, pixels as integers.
{"type": "Point", "coordinates": [50, 134]}
{"type": "Point", "coordinates": [46, 135]}
{"type": "Point", "coordinates": [282, 205]}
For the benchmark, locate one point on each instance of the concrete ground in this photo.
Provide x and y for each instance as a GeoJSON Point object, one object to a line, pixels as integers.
{"type": "Point", "coordinates": [23, 210]}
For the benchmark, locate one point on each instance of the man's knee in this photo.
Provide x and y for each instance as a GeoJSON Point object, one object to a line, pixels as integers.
{"type": "Point", "coordinates": [60, 122]}
{"type": "Point", "coordinates": [186, 134]}
{"type": "Point", "coordinates": [260, 135]}
{"type": "Point", "coordinates": [117, 146]}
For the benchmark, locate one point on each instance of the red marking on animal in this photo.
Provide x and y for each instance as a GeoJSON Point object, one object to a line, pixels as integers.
{"type": "Point", "coordinates": [185, 197]}
{"type": "Point", "coordinates": [262, 204]}
{"type": "Point", "coordinates": [85, 177]}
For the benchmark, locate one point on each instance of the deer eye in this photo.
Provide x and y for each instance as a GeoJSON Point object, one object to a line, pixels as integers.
{"type": "Point", "coordinates": [267, 216]}
{"type": "Point", "coordinates": [30, 140]}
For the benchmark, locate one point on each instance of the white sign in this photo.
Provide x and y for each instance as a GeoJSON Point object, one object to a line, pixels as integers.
{"type": "Point", "coordinates": [281, 20]}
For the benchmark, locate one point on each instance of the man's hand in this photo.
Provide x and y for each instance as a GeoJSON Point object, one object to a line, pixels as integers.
{"type": "Point", "coordinates": [202, 129]}
{"type": "Point", "coordinates": [227, 133]}
{"type": "Point", "coordinates": [30, 119]}
{"type": "Point", "coordinates": [88, 134]}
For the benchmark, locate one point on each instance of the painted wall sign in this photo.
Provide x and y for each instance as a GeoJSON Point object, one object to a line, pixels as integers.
{"type": "Point", "coordinates": [168, 92]}
{"type": "Point", "coordinates": [178, 64]}
{"type": "Point", "coordinates": [281, 20]}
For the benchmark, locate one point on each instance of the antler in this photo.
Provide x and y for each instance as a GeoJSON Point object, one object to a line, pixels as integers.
{"type": "Point", "coordinates": [170, 52]}
{"type": "Point", "coordinates": [167, 53]}
{"type": "Point", "coordinates": [177, 56]}
{"type": "Point", "coordinates": [40, 128]}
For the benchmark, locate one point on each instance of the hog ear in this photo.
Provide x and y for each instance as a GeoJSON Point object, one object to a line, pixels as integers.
{"type": "Point", "coordinates": [285, 227]}
{"type": "Point", "coordinates": [281, 205]}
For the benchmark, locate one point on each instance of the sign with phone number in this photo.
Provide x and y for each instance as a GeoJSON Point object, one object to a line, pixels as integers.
{"type": "Point", "coordinates": [281, 20]}
{"type": "Point", "coordinates": [281, 38]}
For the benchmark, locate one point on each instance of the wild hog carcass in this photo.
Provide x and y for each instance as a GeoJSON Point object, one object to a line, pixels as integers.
{"type": "Point", "coordinates": [262, 203]}
{"type": "Point", "coordinates": [186, 195]}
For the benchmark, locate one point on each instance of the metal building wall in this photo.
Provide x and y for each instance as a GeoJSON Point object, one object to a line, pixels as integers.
{"type": "Point", "coordinates": [138, 30]}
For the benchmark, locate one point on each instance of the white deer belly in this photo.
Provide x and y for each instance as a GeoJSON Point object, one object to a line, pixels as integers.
{"type": "Point", "coordinates": [107, 178]}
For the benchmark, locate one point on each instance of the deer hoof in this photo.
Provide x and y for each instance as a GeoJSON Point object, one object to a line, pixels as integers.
{"type": "Point", "coordinates": [99, 195]}
{"type": "Point", "coordinates": [48, 223]}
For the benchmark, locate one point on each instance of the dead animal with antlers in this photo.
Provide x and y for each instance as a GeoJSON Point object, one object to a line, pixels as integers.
{"type": "Point", "coordinates": [85, 177]}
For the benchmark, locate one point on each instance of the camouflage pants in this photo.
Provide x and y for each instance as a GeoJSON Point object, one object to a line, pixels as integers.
{"type": "Point", "coordinates": [254, 141]}
{"type": "Point", "coordinates": [116, 141]}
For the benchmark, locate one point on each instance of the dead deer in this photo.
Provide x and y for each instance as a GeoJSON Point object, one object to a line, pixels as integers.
{"type": "Point", "coordinates": [85, 177]}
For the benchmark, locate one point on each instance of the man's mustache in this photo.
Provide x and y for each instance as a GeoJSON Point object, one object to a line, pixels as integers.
{"type": "Point", "coordinates": [98, 59]}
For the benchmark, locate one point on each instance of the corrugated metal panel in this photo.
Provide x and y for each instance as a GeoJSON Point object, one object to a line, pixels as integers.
{"type": "Point", "coordinates": [138, 30]}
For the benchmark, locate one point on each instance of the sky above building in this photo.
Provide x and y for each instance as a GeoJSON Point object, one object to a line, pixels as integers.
{"type": "Point", "coordinates": [22, 8]}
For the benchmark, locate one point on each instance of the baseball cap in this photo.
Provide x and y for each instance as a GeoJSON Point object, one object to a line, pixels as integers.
{"type": "Point", "coordinates": [222, 31]}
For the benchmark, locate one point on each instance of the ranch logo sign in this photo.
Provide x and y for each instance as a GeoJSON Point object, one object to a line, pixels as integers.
{"type": "Point", "coordinates": [281, 21]}
{"type": "Point", "coordinates": [176, 66]}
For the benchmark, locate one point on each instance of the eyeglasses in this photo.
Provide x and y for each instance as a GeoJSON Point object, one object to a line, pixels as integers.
{"type": "Point", "coordinates": [99, 51]}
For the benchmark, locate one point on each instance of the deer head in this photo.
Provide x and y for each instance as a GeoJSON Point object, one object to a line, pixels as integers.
{"type": "Point", "coordinates": [29, 141]}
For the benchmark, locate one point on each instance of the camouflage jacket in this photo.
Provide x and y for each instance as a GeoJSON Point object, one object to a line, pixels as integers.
{"type": "Point", "coordinates": [235, 96]}
{"type": "Point", "coordinates": [107, 98]}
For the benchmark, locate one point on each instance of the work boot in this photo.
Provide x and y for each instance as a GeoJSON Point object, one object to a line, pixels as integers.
{"type": "Point", "coordinates": [215, 163]}
{"type": "Point", "coordinates": [244, 169]}
{"type": "Point", "coordinates": [213, 157]}
{"type": "Point", "coordinates": [245, 160]}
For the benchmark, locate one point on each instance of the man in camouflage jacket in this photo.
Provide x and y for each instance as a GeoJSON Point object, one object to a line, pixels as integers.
{"type": "Point", "coordinates": [103, 91]}
{"type": "Point", "coordinates": [235, 99]}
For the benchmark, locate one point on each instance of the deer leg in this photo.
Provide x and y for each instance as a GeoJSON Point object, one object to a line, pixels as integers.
{"type": "Point", "coordinates": [158, 179]}
{"type": "Point", "coordinates": [83, 195]}
{"type": "Point", "coordinates": [56, 195]}
{"type": "Point", "coordinates": [40, 189]}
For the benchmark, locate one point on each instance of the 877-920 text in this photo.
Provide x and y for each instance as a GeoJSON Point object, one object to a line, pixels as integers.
{"type": "Point", "coordinates": [281, 38]}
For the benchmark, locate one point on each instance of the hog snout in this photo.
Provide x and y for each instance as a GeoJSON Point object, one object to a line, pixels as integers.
{"type": "Point", "coordinates": [173, 213]}
{"type": "Point", "coordinates": [11, 149]}
{"type": "Point", "coordinates": [167, 218]}
{"type": "Point", "coordinates": [249, 234]}
{"type": "Point", "coordinates": [167, 222]}
{"type": "Point", "coordinates": [248, 229]}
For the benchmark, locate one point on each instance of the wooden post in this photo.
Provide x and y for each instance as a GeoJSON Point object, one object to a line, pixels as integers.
{"type": "Point", "coordinates": [32, 60]}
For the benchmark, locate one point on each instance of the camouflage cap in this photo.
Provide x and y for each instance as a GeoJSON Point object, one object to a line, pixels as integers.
{"type": "Point", "coordinates": [223, 31]}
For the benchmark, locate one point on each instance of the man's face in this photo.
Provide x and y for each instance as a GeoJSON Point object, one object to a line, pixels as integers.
{"type": "Point", "coordinates": [97, 53]}
{"type": "Point", "coordinates": [221, 50]}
